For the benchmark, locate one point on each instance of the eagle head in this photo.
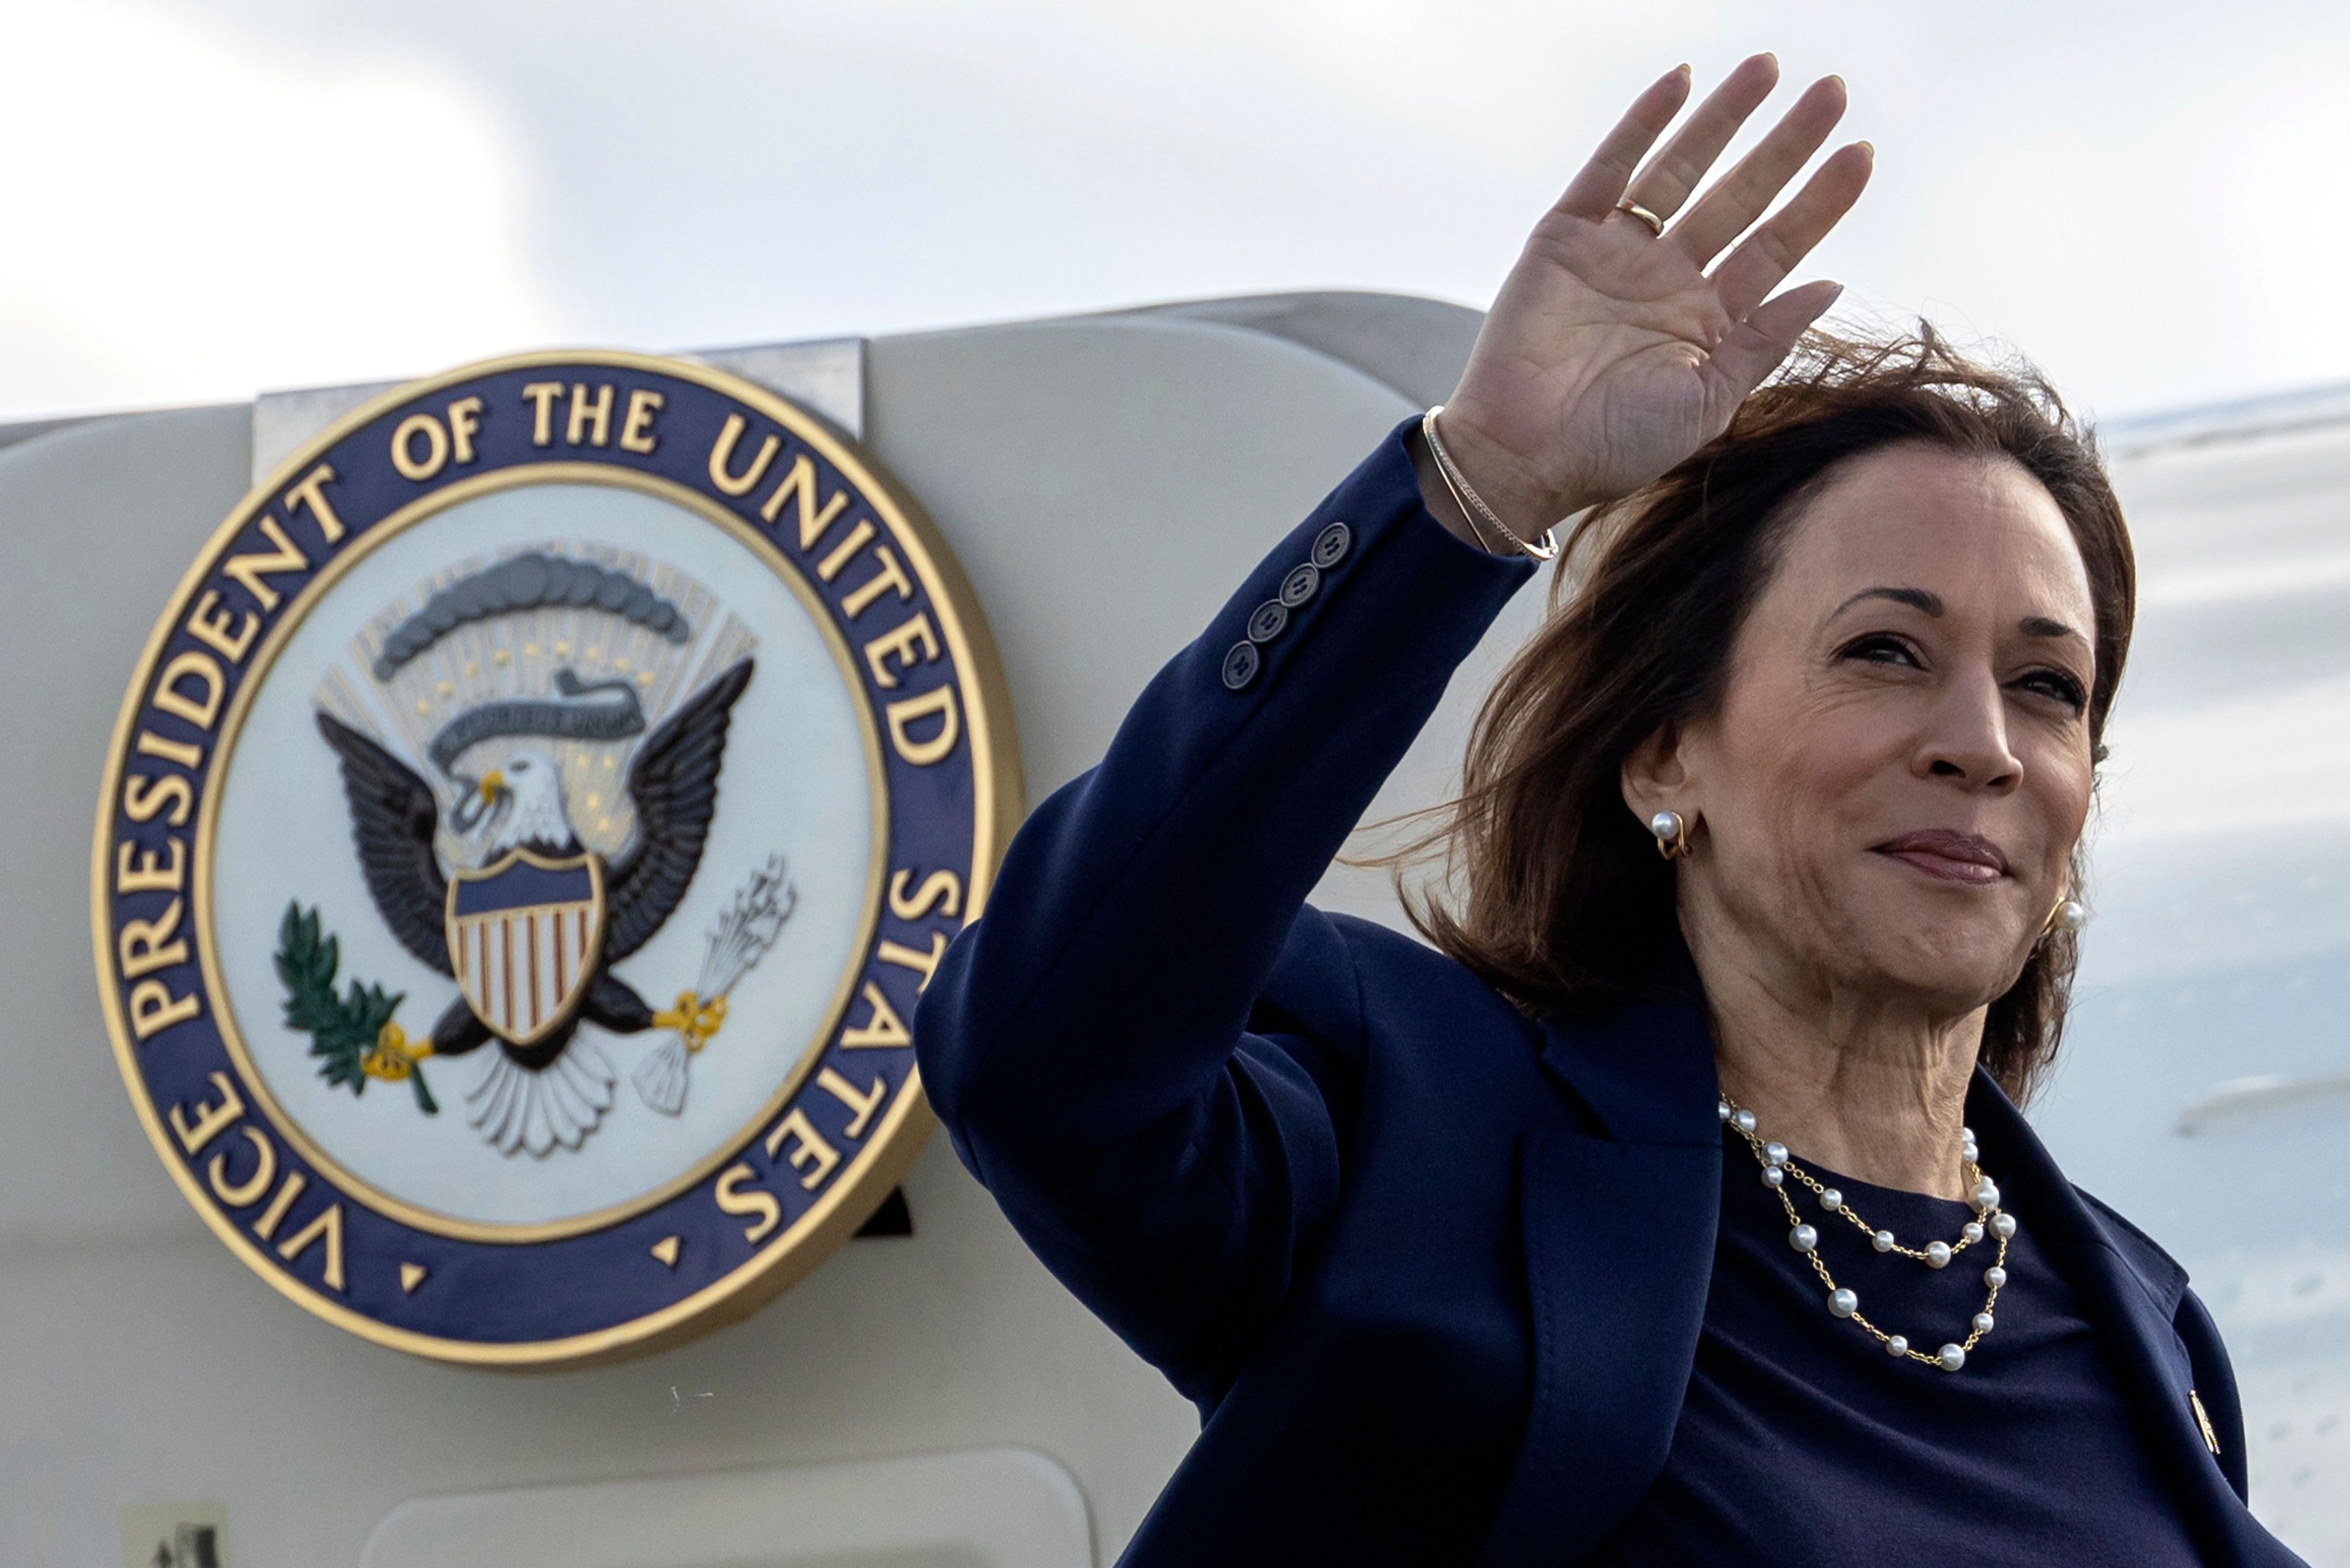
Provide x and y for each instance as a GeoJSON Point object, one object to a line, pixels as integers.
{"type": "Point", "coordinates": [518, 802]}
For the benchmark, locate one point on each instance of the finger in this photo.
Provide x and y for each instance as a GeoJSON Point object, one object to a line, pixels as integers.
{"type": "Point", "coordinates": [1772, 250]}
{"type": "Point", "coordinates": [1740, 197]}
{"type": "Point", "coordinates": [1764, 339]}
{"type": "Point", "coordinates": [1599, 185]}
{"type": "Point", "coordinates": [1669, 178]}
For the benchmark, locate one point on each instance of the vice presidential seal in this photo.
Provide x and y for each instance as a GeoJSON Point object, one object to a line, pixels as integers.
{"type": "Point", "coordinates": [522, 846]}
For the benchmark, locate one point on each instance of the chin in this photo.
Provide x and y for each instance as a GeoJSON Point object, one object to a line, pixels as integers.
{"type": "Point", "coordinates": [1952, 966]}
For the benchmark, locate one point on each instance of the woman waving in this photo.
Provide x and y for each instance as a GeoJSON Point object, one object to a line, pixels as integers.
{"type": "Point", "coordinates": [1671, 1205]}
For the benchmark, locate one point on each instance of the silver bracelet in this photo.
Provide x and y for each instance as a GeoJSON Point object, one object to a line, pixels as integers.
{"type": "Point", "coordinates": [1472, 506]}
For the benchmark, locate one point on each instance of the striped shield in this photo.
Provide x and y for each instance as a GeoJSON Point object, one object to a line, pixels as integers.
{"type": "Point", "coordinates": [523, 936]}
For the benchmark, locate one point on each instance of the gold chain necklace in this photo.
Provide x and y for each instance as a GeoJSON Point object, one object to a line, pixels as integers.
{"type": "Point", "coordinates": [1990, 1222]}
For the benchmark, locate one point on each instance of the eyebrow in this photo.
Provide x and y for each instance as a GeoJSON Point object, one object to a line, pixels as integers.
{"type": "Point", "coordinates": [1915, 598]}
{"type": "Point", "coordinates": [2041, 626]}
{"type": "Point", "coordinates": [1931, 604]}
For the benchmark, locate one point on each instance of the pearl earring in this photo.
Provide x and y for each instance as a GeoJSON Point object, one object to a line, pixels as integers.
{"type": "Point", "coordinates": [2069, 916]}
{"type": "Point", "coordinates": [1672, 835]}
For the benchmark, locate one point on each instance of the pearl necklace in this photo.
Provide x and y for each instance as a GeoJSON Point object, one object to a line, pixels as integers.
{"type": "Point", "coordinates": [1990, 1220]}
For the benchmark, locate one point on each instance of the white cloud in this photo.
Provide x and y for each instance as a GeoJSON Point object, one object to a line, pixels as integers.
{"type": "Point", "coordinates": [199, 211]}
{"type": "Point", "coordinates": [2134, 195]}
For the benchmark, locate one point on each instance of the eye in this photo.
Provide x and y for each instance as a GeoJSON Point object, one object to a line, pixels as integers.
{"type": "Point", "coordinates": [1882, 648]}
{"type": "Point", "coordinates": [2056, 685]}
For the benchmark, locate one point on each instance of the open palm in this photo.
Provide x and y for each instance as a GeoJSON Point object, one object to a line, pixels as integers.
{"type": "Point", "coordinates": [1612, 353]}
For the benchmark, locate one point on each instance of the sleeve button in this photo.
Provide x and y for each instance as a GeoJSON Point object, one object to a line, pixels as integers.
{"type": "Point", "coordinates": [1264, 623]}
{"type": "Point", "coordinates": [1241, 665]}
{"type": "Point", "coordinates": [1330, 546]}
{"type": "Point", "coordinates": [1302, 584]}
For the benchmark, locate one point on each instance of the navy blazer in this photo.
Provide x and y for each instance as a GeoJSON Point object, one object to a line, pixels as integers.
{"type": "Point", "coordinates": [1432, 1271]}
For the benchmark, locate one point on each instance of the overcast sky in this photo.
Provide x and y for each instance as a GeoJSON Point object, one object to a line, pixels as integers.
{"type": "Point", "coordinates": [206, 201]}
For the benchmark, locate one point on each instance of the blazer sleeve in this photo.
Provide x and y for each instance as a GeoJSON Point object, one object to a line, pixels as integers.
{"type": "Point", "coordinates": [1148, 1047]}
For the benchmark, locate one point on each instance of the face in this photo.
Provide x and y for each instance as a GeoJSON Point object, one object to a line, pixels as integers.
{"type": "Point", "coordinates": [1888, 800]}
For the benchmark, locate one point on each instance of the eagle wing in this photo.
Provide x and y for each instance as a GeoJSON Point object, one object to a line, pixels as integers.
{"type": "Point", "coordinates": [393, 820]}
{"type": "Point", "coordinates": [673, 784]}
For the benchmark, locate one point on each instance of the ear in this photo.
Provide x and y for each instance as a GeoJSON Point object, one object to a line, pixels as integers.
{"type": "Point", "coordinates": [1655, 776]}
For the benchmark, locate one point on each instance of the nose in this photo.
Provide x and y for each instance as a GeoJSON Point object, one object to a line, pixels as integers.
{"type": "Point", "coordinates": [1966, 742]}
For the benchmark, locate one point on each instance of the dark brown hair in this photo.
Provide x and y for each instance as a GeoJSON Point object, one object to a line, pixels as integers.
{"type": "Point", "coordinates": [1551, 892]}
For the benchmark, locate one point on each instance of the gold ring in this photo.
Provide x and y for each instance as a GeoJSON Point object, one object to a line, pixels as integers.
{"type": "Point", "coordinates": [1633, 209]}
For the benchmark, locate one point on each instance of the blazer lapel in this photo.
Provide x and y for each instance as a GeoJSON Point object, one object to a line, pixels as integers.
{"type": "Point", "coordinates": [2132, 1305]}
{"type": "Point", "coordinates": [1619, 1239]}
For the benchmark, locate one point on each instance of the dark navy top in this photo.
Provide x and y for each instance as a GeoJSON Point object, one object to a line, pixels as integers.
{"type": "Point", "coordinates": [1803, 1441]}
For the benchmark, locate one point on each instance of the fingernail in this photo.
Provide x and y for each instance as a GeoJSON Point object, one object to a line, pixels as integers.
{"type": "Point", "coordinates": [1869, 147]}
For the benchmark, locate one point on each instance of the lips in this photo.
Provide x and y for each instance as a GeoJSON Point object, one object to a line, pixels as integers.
{"type": "Point", "coordinates": [1953, 857]}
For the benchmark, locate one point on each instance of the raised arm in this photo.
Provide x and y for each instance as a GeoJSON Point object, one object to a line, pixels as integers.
{"type": "Point", "coordinates": [1149, 1047]}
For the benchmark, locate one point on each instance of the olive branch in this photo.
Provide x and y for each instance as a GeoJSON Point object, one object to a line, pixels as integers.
{"type": "Point", "coordinates": [353, 1034]}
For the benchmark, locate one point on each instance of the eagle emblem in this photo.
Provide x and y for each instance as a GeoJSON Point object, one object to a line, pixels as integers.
{"type": "Point", "coordinates": [527, 918]}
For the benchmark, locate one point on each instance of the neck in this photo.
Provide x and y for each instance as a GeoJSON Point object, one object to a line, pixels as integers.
{"type": "Point", "coordinates": [1871, 1087]}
